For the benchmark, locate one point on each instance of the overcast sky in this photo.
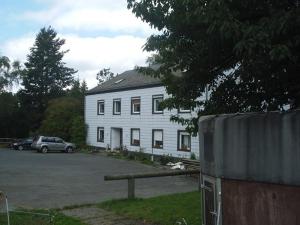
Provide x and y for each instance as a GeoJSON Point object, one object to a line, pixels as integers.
{"type": "Point", "coordinates": [98, 33]}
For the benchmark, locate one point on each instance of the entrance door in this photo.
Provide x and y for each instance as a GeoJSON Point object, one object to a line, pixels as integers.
{"type": "Point", "coordinates": [209, 210]}
{"type": "Point", "coordinates": [116, 138]}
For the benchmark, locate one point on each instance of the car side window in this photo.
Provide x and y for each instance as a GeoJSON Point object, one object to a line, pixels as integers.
{"type": "Point", "coordinates": [58, 140]}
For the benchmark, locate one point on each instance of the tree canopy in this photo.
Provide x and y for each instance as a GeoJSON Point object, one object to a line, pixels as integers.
{"type": "Point", "coordinates": [247, 53]}
{"type": "Point", "coordinates": [10, 73]}
{"type": "Point", "coordinates": [104, 75]}
{"type": "Point", "coordinates": [45, 76]}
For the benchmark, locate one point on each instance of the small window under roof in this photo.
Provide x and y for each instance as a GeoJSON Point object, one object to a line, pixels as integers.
{"type": "Point", "coordinates": [118, 81]}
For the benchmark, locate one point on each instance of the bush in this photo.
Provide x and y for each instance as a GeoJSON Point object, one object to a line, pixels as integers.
{"type": "Point", "coordinates": [164, 159]}
{"type": "Point", "coordinates": [78, 131]}
{"type": "Point", "coordinates": [193, 156]}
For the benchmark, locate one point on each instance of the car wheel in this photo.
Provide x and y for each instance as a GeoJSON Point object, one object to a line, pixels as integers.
{"type": "Point", "coordinates": [44, 149]}
{"type": "Point", "coordinates": [69, 150]}
{"type": "Point", "coordinates": [20, 148]}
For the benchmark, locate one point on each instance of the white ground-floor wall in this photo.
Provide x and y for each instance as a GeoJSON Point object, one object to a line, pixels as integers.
{"type": "Point", "coordinates": [116, 135]}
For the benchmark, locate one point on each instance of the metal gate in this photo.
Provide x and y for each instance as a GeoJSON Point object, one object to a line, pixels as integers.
{"type": "Point", "coordinates": [211, 200]}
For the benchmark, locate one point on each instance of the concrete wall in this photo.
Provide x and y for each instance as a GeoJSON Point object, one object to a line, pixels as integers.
{"type": "Point", "coordinates": [253, 203]}
{"type": "Point", "coordinates": [146, 121]}
{"type": "Point", "coordinates": [261, 147]}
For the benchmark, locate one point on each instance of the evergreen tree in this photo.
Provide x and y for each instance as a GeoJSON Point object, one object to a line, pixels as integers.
{"type": "Point", "coordinates": [46, 75]}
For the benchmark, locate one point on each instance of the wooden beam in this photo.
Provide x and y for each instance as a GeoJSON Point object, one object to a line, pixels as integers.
{"type": "Point", "coordinates": [147, 175]}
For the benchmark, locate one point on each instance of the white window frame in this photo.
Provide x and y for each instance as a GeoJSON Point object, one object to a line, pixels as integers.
{"type": "Point", "coordinates": [131, 137]}
{"type": "Point", "coordinates": [115, 106]}
{"type": "Point", "coordinates": [154, 145]}
{"type": "Point", "coordinates": [100, 102]}
{"type": "Point", "coordinates": [99, 130]}
{"type": "Point", "coordinates": [182, 133]}
{"type": "Point", "coordinates": [133, 104]}
{"type": "Point", "coordinates": [154, 99]}
{"type": "Point", "coordinates": [183, 110]}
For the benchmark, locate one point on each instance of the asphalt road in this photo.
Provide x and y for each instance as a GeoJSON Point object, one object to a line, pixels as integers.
{"type": "Point", "coordinates": [36, 180]}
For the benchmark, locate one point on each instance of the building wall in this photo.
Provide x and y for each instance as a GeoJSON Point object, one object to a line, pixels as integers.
{"type": "Point", "coordinates": [253, 203]}
{"type": "Point", "coordinates": [146, 121]}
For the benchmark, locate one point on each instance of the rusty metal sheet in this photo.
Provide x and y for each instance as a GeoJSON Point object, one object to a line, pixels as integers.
{"type": "Point", "coordinates": [253, 203]}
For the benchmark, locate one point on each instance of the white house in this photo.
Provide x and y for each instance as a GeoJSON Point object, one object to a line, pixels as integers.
{"type": "Point", "coordinates": [125, 112]}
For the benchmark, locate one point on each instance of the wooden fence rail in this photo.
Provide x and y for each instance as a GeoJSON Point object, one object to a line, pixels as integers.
{"type": "Point", "coordinates": [7, 141]}
{"type": "Point", "coordinates": [131, 178]}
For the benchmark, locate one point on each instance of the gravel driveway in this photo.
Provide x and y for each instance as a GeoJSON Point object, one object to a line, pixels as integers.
{"type": "Point", "coordinates": [31, 179]}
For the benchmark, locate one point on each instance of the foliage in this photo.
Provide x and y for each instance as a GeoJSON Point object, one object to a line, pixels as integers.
{"type": "Point", "coordinates": [164, 159]}
{"type": "Point", "coordinates": [45, 76]}
{"type": "Point", "coordinates": [78, 91]}
{"type": "Point", "coordinates": [27, 218]}
{"type": "Point", "coordinates": [193, 156]}
{"type": "Point", "coordinates": [61, 116]}
{"type": "Point", "coordinates": [164, 210]}
{"type": "Point", "coordinates": [12, 119]}
{"type": "Point", "coordinates": [9, 72]}
{"type": "Point", "coordinates": [104, 75]}
{"type": "Point", "coordinates": [78, 131]}
{"type": "Point", "coordinates": [247, 53]}
{"type": "Point", "coordinates": [129, 155]}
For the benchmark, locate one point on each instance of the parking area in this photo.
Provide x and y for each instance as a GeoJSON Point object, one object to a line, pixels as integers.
{"type": "Point", "coordinates": [36, 180]}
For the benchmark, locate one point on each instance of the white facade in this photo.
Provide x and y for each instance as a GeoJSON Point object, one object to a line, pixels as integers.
{"type": "Point", "coordinates": [109, 130]}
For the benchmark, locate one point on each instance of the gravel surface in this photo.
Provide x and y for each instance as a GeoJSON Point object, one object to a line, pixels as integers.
{"type": "Point", "coordinates": [55, 180]}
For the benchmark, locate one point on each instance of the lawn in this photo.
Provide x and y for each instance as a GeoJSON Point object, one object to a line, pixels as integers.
{"type": "Point", "coordinates": [30, 219]}
{"type": "Point", "coordinates": [164, 210]}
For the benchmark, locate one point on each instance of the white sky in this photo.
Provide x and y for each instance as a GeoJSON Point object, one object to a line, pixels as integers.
{"type": "Point", "coordinates": [99, 33]}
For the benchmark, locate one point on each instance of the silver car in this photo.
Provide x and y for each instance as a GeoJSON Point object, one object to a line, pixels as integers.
{"type": "Point", "coordinates": [45, 144]}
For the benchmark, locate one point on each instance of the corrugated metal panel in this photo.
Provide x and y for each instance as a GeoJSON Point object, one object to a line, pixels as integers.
{"type": "Point", "coordinates": [252, 203]}
{"type": "Point", "coordinates": [252, 146]}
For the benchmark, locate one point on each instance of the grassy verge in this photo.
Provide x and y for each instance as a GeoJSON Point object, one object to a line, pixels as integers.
{"type": "Point", "coordinates": [165, 210]}
{"type": "Point", "coordinates": [32, 219]}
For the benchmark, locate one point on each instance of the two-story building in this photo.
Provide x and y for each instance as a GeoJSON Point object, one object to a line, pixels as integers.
{"type": "Point", "coordinates": [125, 112]}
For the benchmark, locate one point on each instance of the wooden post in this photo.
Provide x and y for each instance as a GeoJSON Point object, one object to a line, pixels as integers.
{"type": "Point", "coordinates": [131, 188]}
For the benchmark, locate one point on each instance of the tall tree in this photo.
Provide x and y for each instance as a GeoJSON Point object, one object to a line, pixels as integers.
{"type": "Point", "coordinates": [12, 120]}
{"type": "Point", "coordinates": [61, 116]}
{"type": "Point", "coordinates": [46, 76]}
{"type": "Point", "coordinates": [78, 91]}
{"type": "Point", "coordinates": [246, 52]}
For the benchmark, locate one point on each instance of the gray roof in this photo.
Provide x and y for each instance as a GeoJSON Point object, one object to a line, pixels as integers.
{"type": "Point", "coordinates": [128, 80]}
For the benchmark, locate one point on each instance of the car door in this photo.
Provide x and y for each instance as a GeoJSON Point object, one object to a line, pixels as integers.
{"type": "Point", "coordinates": [51, 144]}
{"type": "Point", "coordinates": [59, 144]}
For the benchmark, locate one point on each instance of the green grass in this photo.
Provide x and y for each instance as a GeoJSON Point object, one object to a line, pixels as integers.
{"type": "Point", "coordinates": [17, 218]}
{"type": "Point", "coordinates": [164, 210]}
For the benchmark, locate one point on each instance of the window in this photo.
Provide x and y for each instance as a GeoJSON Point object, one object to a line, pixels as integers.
{"type": "Point", "coordinates": [184, 110]}
{"type": "Point", "coordinates": [136, 105]}
{"type": "Point", "coordinates": [135, 137]}
{"type": "Point", "coordinates": [117, 106]}
{"type": "Point", "coordinates": [100, 134]}
{"type": "Point", "coordinates": [157, 138]}
{"type": "Point", "coordinates": [100, 107]}
{"type": "Point", "coordinates": [119, 81]}
{"type": "Point", "coordinates": [184, 141]}
{"type": "Point", "coordinates": [156, 104]}
{"type": "Point", "coordinates": [59, 140]}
